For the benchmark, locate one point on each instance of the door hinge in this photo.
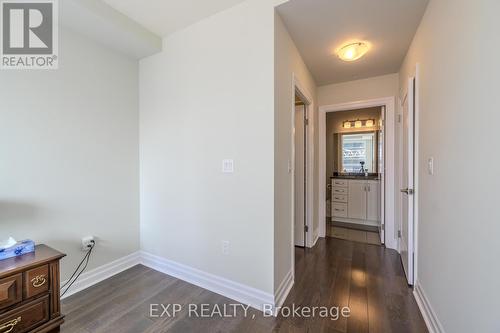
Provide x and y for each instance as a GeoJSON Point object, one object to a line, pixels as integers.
{"type": "Point", "coordinates": [306, 121]}
{"type": "Point", "coordinates": [399, 233]}
{"type": "Point", "coordinates": [306, 228]}
{"type": "Point", "coordinates": [399, 118]}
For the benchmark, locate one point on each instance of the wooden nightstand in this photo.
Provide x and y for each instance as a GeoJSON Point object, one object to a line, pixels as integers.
{"type": "Point", "coordinates": [29, 292]}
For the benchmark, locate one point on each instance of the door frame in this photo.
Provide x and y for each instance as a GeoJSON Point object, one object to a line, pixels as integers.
{"type": "Point", "coordinates": [308, 100]}
{"type": "Point", "coordinates": [390, 167]}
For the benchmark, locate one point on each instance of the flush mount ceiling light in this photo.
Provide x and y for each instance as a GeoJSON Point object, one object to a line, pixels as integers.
{"type": "Point", "coordinates": [353, 51]}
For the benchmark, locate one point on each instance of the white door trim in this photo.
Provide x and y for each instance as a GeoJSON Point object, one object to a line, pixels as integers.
{"type": "Point", "coordinates": [308, 99]}
{"type": "Point", "coordinates": [416, 152]}
{"type": "Point", "coordinates": [390, 170]}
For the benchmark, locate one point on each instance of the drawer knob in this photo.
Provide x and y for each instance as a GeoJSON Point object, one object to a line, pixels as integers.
{"type": "Point", "coordinates": [38, 281]}
{"type": "Point", "coordinates": [9, 326]}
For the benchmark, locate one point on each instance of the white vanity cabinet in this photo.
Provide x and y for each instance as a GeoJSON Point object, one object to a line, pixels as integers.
{"type": "Point", "coordinates": [373, 200]}
{"type": "Point", "coordinates": [356, 201]}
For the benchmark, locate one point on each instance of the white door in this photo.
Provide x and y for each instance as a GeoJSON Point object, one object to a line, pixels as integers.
{"type": "Point", "coordinates": [373, 201]}
{"type": "Point", "coordinates": [406, 228]}
{"type": "Point", "coordinates": [300, 171]}
{"type": "Point", "coordinates": [381, 172]}
{"type": "Point", "coordinates": [356, 204]}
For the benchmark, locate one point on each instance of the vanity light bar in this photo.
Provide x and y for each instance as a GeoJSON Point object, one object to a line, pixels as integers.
{"type": "Point", "coordinates": [358, 123]}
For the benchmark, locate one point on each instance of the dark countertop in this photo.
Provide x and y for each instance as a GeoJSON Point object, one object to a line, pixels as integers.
{"type": "Point", "coordinates": [357, 177]}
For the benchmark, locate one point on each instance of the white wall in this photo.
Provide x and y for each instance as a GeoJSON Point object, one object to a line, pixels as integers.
{"type": "Point", "coordinates": [69, 151]}
{"type": "Point", "coordinates": [287, 63]}
{"type": "Point", "coordinates": [459, 222]}
{"type": "Point", "coordinates": [207, 97]}
{"type": "Point", "coordinates": [352, 91]}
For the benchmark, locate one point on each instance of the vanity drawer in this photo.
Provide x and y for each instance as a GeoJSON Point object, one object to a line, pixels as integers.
{"type": "Point", "coordinates": [36, 281]}
{"type": "Point", "coordinates": [341, 182]}
{"type": "Point", "coordinates": [339, 209]}
{"type": "Point", "coordinates": [339, 190]}
{"type": "Point", "coordinates": [340, 198]}
{"type": "Point", "coordinates": [11, 291]}
{"type": "Point", "coordinates": [26, 317]}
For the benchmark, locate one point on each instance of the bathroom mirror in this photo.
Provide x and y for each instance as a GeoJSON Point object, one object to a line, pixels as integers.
{"type": "Point", "coordinates": [355, 148]}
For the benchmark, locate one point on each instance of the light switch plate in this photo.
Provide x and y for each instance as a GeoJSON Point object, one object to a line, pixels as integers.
{"type": "Point", "coordinates": [225, 247]}
{"type": "Point", "coordinates": [228, 166]}
{"type": "Point", "coordinates": [430, 166]}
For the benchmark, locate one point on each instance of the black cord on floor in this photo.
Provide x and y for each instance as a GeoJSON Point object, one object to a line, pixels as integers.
{"type": "Point", "coordinates": [85, 259]}
{"type": "Point", "coordinates": [76, 270]}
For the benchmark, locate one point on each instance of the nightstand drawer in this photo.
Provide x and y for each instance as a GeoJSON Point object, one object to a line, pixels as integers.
{"type": "Point", "coordinates": [36, 281]}
{"type": "Point", "coordinates": [340, 198]}
{"type": "Point", "coordinates": [11, 291]}
{"type": "Point", "coordinates": [339, 210]}
{"type": "Point", "coordinates": [26, 317]}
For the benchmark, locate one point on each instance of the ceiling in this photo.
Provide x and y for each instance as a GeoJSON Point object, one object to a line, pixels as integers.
{"type": "Point", "coordinates": [166, 16]}
{"type": "Point", "coordinates": [100, 22]}
{"type": "Point", "coordinates": [319, 27]}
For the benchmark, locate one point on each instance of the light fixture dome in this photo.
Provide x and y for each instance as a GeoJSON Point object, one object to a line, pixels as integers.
{"type": "Point", "coordinates": [353, 51]}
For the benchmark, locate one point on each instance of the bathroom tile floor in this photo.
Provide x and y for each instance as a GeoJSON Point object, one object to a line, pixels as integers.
{"type": "Point", "coordinates": [367, 237]}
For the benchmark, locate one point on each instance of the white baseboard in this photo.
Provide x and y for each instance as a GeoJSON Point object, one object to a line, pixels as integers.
{"type": "Point", "coordinates": [241, 293]}
{"type": "Point", "coordinates": [430, 318]}
{"type": "Point", "coordinates": [315, 240]}
{"type": "Point", "coordinates": [284, 289]}
{"type": "Point", "coordinates": [88, 279]}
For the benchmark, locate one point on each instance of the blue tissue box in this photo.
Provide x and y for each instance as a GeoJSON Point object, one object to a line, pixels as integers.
{"type": "Point", "coordinates": [18, 249]}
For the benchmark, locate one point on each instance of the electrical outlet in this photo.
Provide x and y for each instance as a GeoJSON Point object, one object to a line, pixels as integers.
{"type": "Point", "coordinates": [225, 247]}
{"type": "Point", "coordinates": [87, 242]}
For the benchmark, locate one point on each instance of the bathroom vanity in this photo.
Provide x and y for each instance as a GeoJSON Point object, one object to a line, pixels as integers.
{"type": "Point", "coordinates": [356, 200]}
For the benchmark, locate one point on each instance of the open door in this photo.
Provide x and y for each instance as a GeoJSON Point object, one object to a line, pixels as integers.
{"type": "Point", "coordinates": [300, 223]}
{"type": "Point", "coordinates": [381, 171]}
{"type": "Point", "coordinates": [407, 229]}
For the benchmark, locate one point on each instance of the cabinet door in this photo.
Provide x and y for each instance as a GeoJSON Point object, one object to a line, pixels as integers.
{"type": "Point", "coordinates": [356, 204]}
{"type": "Point", "coordinates": [373, 201]}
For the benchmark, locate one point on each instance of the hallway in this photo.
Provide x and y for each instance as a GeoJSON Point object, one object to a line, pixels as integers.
{"type": "Point", "coordinates": [367, 278]}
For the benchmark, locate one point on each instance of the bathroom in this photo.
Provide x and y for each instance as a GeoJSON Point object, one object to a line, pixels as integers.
{"type": "Point", "coordinates": [354, 167]}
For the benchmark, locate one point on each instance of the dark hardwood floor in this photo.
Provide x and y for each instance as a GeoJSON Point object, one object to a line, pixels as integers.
{"type": "Point", "coordinates": [367, 278]}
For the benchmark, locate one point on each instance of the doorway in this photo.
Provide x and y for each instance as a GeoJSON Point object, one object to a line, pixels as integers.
{"type": "Point", "coordinates": [354, 170]}
{"type": "Point", "coordinates": [387, 227]}
{"type": "Point", "coordinates": [300, 174]}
